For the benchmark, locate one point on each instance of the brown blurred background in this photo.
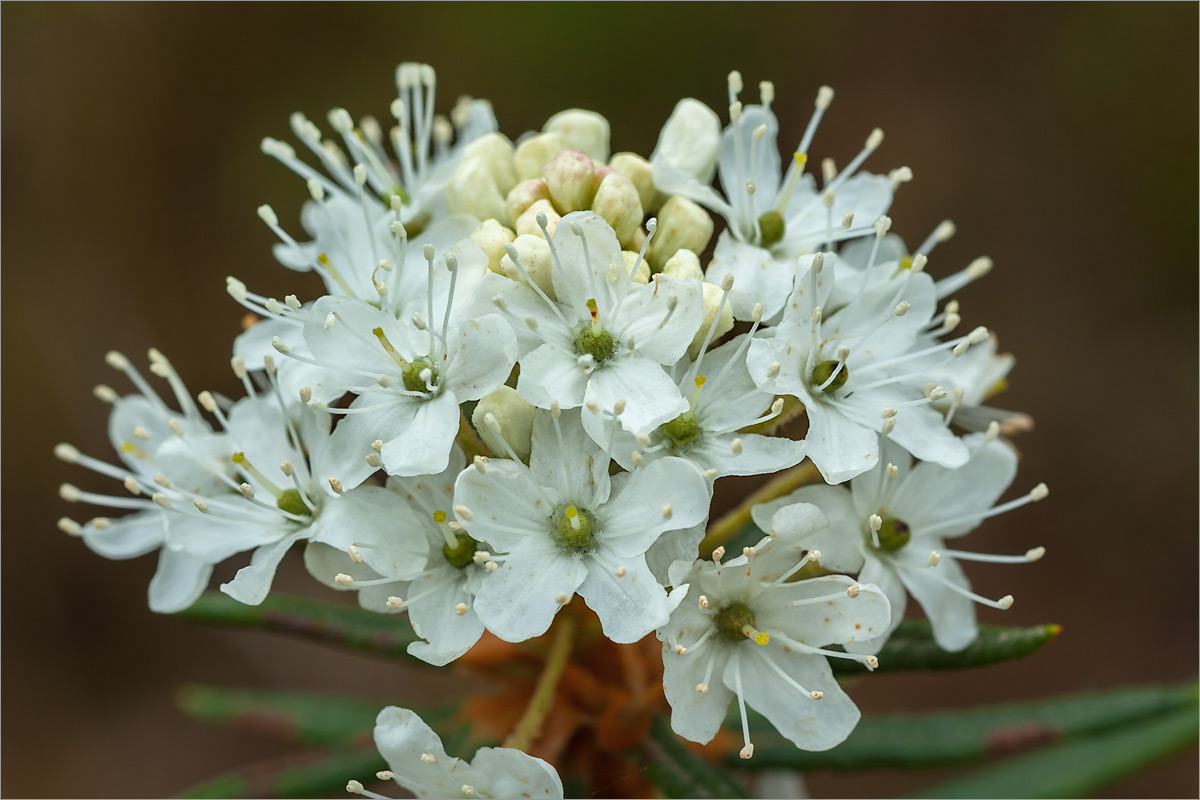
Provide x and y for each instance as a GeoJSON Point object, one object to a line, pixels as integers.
{"type": "Point", "coordinates": [1062, 139]}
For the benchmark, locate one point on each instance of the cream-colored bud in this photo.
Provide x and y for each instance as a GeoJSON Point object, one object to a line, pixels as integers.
{"type": "Point", "coordinates": [681, 225]}
{"type": "Point", "coordinates": [497, 153]}
{"type": "Point", "coordinates": [642, 275]}
{"type": "Point", "coordinates": [523, 195]}
{"type": "Point", "coordinates": [533, 153]}
{"type": "Point", "coordinates": [527, 222]}
{"type": "Point", "coordinates": [492, 236]}
{"type": "Point", "coordinates": [571, 179]}
{"type": "Point", "coordinates": [473, 190]}
{"type": "Point", "coordinates": [582, 130]}
{"type": "Point", "coordinates": [617, 202]}
{"type": "Point", "coordinates": [533, 252]}
{"type": "Point", "coordinates": [515, 416]}
{"type": "Point", "coordinates": [640, 174]}
{"type": "Point", "coordinates": [690, 140]}
{"type": "Point", "coordinates": [712, 301]}
{"type": "Point", "coordinates": [683, 265]}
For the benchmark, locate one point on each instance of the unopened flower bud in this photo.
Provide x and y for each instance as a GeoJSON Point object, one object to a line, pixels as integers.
{"type": "Point", "coordinates": [690, 140]}
{"type": "Point", "coordinates": [618, 203]}
{"type": "Point", "coordinates": [570, 177]}
{"type": "Point", "coordinates": [712, 301]}
{"type": "Point", "coordinates": [682, 225]}
{"type": "Point", "coordinates": [473, 190]}
{"type": "Point", "coordinates": [640, 174]}
{"type": "Point", "coordinates": [523, 195]}
{"type": "Point", "coordinates": [535, 152]}
{"type": "Point", "coordinates": [527, 222]}
{"type": "Point", "coordinates": [642, 275]}
{"type": "Point", "coordinates": [492, 236]}
{"type": "Point", "coordinates": [533, 251]}
{"type": "Point", "coordinates": [583, 130]}
{"type": "Point", "coordinates": [496, 151]}
{"type": "Point", "coordinates": [683, 265]}
{"type": "Point", "coordinates": [515, 418]}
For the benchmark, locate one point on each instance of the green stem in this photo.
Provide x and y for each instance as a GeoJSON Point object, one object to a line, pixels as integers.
{"type": "Point", "coordinates": [734, 521]}
{"type": "Point", "coordinates": [530, 724]}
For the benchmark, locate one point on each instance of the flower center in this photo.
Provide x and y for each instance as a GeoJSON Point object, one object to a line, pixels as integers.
{"type": "Point", "coordinates": [893, 534]}
{"type": "Point", "coordinates": [290, 501]}
{"type": "Point", "coordinates": [462, 553]}
{"type": "Point", "coordinates": [770, 225]}
{"type": "Point", "coordinates": [824, 370]}
{"type": "Point", "coordinates": [575, 528]}
{"type": "Point", "coordinates": [735, 623]}
{"type": "Point", "coordinates": [597, 343]}
{"type": "Point", "coordinates": [411, 374]}
{"type": "Point", "coordinates": [682, 429]}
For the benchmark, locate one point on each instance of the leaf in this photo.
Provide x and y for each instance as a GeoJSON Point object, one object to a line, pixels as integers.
{"type": "Point", "coordinates": [348, 626]}
{"type": "Point", "coordinates": [911, 647]}
{"type": "Point", "coordinates": [305, 717]}
{"type": "Point", "coordinates": [313, 773]}
{"type": "Point", "coordinates": [679, 772]}
{"type": "Point", "coordinates": [1080, 767]}
{"type": "Point", "coordinates": [949, 737]}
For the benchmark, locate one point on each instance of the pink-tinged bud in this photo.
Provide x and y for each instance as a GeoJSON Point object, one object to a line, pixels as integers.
{"type": "Point", "coordinates": [523, 195]}
{"type": "Point", "coordinates": [570, 177]}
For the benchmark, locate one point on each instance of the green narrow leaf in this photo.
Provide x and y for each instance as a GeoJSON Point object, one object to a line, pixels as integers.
{"type": "Point", "coordinates": [679, 772]}
{"type": "Point", "coordinates": [911, 647]}
{"type": "Point", "coordinates": [1080, 767]}
{"type": "Point", "coordinates": [304, 717]}
{"type": "Point", "coordinates": [348, 626]}
{"type": "Point", "coordinates": [950, 737]}
{"type": "Point", "coordinates": [314, 773]}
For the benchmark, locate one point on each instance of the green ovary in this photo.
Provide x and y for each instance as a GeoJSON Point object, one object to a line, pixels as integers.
{"type": "Point", "coordinates": [893, 534]}
{"type": "Point", "coordinates": [821, 373]}
{"type": "Point", "coordinates": [462, 553]}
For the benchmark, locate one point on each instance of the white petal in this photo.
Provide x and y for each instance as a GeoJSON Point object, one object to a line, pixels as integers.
{"type": "Point", "coordinates": [813, 725]}
{"type": "Point", "coordinates": [253, 582]}
{"type": "Point", "coordinates": [506, 506]}
{"type": "Point", "coordinates": [376, 517]}
{"type": "Point", "coordinates": [424, 449]}
{"type": "Point", "coordinates": [841, 446]}
{"type": "Point", "coordinates": [689, 142]}
{"type": "Point", "coordinates": [644, 311]}
{"type": "Point", "coordinates": [635, 516]}
{"type": "Point", "coordinates": [584, 273]}
{"type": "Point", "coordinates": [651, 397]}
{"type": "Point", "coordinates": [550, 374]}
{"type": "Point", "coordinates": [951, 615]}
{"type": "Point", "coordinates": [178, 582]}
{"type": "Point", "coordinates": [575, 465]}
{"type": "Point", "coordinates": [434, 617]}
{"type": "Point", "coordinates": [402, 738]}
{"type": "Point", "coordinates": [757, 276]}
{"type": "Point", "coordinates": [694, 715]}
{"type": "Point", "coordinates": [127, 537]}
{"type": "Point", "coordinates": [511, 773]}
{"type": "Point", "coordinates": [880, 572]}
{"type": "Point", "coordinates": [759, 455]}
{"type": "Point", "coordinates": [840, 543]}
{"type": "Point", "coordinates": [519, 600]}
{"type": "Point", "coordinates": [629, 606]}
{"type": "Point", "coordinates": [486, 350]}
{"type": "Point", "coordinates": [838, 620]}
{"type": "Point", "coordinates": [932, 493]}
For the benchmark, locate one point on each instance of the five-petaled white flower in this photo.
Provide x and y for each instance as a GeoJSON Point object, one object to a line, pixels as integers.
{"type": "Point", "coordinates": [890, 527]}
{"type": "Point", "coordinates": [604, 338]}
{"type": "Point", "coordinates": [745, 630]}
{"type": "Point", "coordinates": [774, 215]}
{"type": "Point", "coordinates": [563, 526]}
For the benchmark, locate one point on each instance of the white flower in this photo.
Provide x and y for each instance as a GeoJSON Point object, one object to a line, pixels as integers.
{"type": "Point", "coordinates": [418, 762]}
{"type": "Point", "coordinates": [411, 373]}
{"type": "Point", "coordinates": [439, 600]}
{"type": "Point", "coordinates": [563, 527]}
{"type": "Point", "coordinates": [414, 184]}
{"type": "Point", "coordinates": [744, 630]}
{"type": "Point", "coordinates": [158, 446]}
{"type": "Point", "coordinates": [848, 356]}
{"type": "Point", "coordinates": [890, 528]}
{"type": "Point", "coordinates": [605, 338]}
{"type": "Point", "coordinates": [722, 400]}
{"type": "Point", "coordinates": [773, 216]}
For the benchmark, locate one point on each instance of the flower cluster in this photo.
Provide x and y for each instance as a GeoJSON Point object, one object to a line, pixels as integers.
{"type": "Point", "coordinates": [522, 382]}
